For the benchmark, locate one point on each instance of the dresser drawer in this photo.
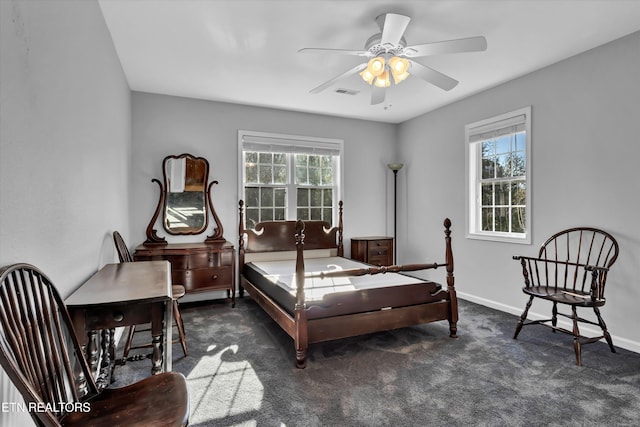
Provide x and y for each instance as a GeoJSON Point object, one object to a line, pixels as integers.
{"type": "Point", "coordinates": [203, 279]}
{"type": "Point", "coordinates": [202, 260]}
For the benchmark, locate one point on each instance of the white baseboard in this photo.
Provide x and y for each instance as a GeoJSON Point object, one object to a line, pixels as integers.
{"type": "Point", "coordinates": [517, 311]}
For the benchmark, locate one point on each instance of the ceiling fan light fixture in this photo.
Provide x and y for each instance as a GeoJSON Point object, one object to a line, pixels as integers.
{"type": "Point", "coordinates": [383, 80]}
{"type": "Point", "coordinates": [376, 66]}
{"type": "Point", "coordinates": [399, 68]}
{"type": "Point", "coordinates": [367, 76]}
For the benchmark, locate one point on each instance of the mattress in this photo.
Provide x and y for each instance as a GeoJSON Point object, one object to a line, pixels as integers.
{"type": "Point", "coordinates": [341, 295]}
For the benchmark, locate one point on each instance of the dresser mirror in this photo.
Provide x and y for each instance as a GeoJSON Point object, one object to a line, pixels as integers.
{"type": "Point", "coordinates": [185, 200]}
{"type": "Point", "coordinates": [185, 182]}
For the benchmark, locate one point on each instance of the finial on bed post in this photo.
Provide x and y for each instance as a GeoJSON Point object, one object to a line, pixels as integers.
{"type": "Point", "coordinates": [300, 312]}
{"type": "Point", "coordinates": [340, 244]}
{"type": "Point", "coordinates": [241, 247]}
{"type": "Point", "coordinates": [453, 315]}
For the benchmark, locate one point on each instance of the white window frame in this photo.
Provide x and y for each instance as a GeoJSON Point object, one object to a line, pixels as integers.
{"type": "Point", "coordinates": [473, 154]}
{"type": "Point", "coordinates": [276, 142]}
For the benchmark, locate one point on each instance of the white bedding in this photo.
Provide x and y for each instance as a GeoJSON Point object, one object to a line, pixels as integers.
{"type": "Point", "coordinates": [282, 273]}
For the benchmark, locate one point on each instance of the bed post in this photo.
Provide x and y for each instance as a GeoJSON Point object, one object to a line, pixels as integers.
{"type": "Point", "coordinates": [453, 300]}
{"type": "Point", "coordinates": [241, 247]}
{"type": "Point", "coordinates": [300, 312]}
{"type": "Point", "coordinates": [340, 245]}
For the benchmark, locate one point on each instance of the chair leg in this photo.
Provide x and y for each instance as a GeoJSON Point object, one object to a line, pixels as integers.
{"type": "Point", "coordinates": [554, 316]}
{"type": "Point", "coordinates": [576, 336]}
{"type": "Point", "coordinates": [523, 317]}
{"type": "Point", "coordinates": [127, 345]}
{"type": "Point", "coordinates": [180, 325]}
{"type": "Point", "coordinates": [603, 326]}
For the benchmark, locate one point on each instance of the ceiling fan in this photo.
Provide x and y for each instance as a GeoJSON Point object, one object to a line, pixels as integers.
{"type": "Point", "coordinates": [389, 57]}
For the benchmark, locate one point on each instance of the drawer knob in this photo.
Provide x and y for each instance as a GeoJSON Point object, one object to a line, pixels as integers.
{"type": "Point", "coordinates": [215, 276]}
{"type": "Point", "coordinates": [118, 316]}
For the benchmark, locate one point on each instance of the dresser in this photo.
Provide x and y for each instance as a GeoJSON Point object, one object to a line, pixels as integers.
{"type": "Point", "coordinates": [376, 250]}
{"type": "Point", "coordinates": [199, 267]}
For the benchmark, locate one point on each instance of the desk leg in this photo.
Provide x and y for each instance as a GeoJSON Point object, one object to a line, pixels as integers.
{"type": "Point", "coordinates": [157, 316]}
{"type": "Point", "coordinates": [168, 335]}
{"type": "Point", "coordinates": [77, 318]}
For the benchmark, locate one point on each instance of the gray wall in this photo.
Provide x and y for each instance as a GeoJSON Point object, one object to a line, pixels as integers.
{"type": "Point", "coordinates": [585, 153]}
{"type": "Point", "coordinates": [65, 144]}
{"type": "Point", "coordinates": [164, 125]}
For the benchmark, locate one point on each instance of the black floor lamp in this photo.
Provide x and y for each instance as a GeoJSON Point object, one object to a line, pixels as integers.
{"type": "Point", "coordinates": [395, 167]}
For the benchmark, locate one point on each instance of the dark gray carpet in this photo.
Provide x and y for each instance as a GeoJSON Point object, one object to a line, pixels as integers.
{"type": "Point", "coordinates": [241, 372]}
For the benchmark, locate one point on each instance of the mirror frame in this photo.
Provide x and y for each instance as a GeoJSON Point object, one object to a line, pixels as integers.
{"type": "Point", "coordinates": [152, 236]}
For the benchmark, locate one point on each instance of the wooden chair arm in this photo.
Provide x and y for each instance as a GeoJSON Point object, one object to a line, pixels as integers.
{"type": "Point", "coordinates": [531, 271]}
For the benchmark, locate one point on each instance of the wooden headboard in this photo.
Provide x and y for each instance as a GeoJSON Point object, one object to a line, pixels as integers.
{"type": "Point", "coordinates": [279, 236]}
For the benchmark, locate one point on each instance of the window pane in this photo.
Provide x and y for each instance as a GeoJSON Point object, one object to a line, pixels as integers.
{"type": "Point", "coordinates": [518, 193]}
{"type": "Point", "coordinates": [266, 174]}
{"type": "Point", "coordinates": [487, 194]}
{"type": "Point", "coordinates": [520, 141]}
{"type": "Point", "coordinates": [503, 144]}
{"type": "Point", "coordinates": [503, 168]}
{"type": "Point", "coordinates": [280, 197]}
{"type": "Point", "coordinates": [252, 217]}
{"type": "Point", "coordinates": [314, 176]}
{"type": "Point", "coordinates": [301, 160]}
{"type": "Point", "coordinates": [519, 163]}
{"type": "Point", "coordinates": [279, 174]}
{"type": "Point", "coordinates": [327, 215]}
{"type": "Point", "coordinates": [488, 168]}
{"type": "Point", "coordinates": [327, 196]}
{"type": "Point", "coordinates": [502, 219]}
{"type": "Point", "coordinates": [314, 161]}
{"type": "Point", "coordinates": [266, 214]}
{"type": "Point", "coordinates": [251, 173]}
{"type": "Point", "coordinates": [303, 197]}
{"type": "Point", "coordinates": [279, 214]}
{"type": "Point", "coordinates": [265, 158]}
{"type": "Point", "coordinates": [303, 214]}
{"type": "Point", "coordinates": [316, 214]}
{"type": "Point", "coordinates": [316, 197]}
{"type": "Point", "coordinates": [251, 157]}
{"type": "Point", "coordinates": [301, 175]}
{"type": "Point", "coordinates": [251, 195]}
{"type": "Point", "coordinates": [266, 197]}
{"type": "Point", "coordinates": [502, 193]}
{"type": "Point", "coordinates": [487, 219]}
{"type": "Point", "coordinates": [518, 220]}
{"type": "Point", "coordinates": [280, 158]}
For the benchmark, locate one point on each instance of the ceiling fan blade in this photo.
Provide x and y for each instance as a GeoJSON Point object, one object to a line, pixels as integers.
{"type": "Point", "coordinates": [377, 95]}
{"type": "Point", "coordinates": [348, 73]}
{"type": "Point", "coordinates": [432, 76]}
{"type": "Point", "coordinates": [471, 44]}
{"type": "Point", "coordinates": [339, 51]}
{"type": "Point", "coordinates": [393, 28]}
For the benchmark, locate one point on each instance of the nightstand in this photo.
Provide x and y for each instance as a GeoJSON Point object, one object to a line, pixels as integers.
{"type": "Point", "coordinates": [376, 250]}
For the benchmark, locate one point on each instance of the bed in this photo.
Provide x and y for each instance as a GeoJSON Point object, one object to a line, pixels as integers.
{"type": "Point", "coordinates": [296, 271]}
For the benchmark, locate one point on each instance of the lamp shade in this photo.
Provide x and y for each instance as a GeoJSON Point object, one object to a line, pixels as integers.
{"type": "Point", "coordinates": [383, 80]}
{"type": "Point", "coordinates": [376, 66]}
{"type": "Point", "coordinates": [399, 68]}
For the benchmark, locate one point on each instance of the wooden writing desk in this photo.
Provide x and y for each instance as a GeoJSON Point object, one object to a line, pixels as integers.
{"type": "Point", "coordinates": [124, 294]}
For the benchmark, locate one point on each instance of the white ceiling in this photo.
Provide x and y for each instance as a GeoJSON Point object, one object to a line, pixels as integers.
{"type": "Point", "coordinates": [246, 52]}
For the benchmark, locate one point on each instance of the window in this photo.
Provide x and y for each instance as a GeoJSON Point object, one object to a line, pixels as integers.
{"type": "Point", "coordinates": [289, 177]}
{"type": "Point", "coordinates": [498, 177]}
